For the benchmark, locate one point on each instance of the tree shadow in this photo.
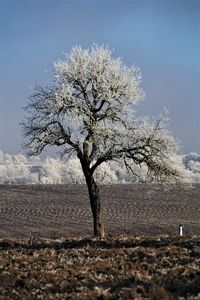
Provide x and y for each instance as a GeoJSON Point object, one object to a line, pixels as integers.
{"type": "Point", "coordinates": [101, 244]}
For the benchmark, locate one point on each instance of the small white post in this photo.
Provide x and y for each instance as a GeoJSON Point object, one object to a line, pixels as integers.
{"type": "Point", "coordinates": [181, 230]}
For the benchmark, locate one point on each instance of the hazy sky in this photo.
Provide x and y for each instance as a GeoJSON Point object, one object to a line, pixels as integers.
{"type": "Point", "coordinates": [162, 37]}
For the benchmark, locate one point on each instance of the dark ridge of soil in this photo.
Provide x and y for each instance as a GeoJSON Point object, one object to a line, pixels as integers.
{"type": "Point", "coordinates": [64, 210]}
{"type": "Point", "coordinates": [122, 267]}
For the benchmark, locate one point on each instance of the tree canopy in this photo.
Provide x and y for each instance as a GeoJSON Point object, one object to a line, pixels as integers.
{"type": "Point", "coordinates": [90, 111]}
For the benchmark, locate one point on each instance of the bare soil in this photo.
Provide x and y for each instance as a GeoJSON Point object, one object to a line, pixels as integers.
{"type": "Point", "coordinates": [84, 269]}
{"type": "Point", "coordinates": [64, 210]}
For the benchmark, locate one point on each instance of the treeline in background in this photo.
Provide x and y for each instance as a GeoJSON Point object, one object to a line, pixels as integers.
{"type": "Point", "coordinates": [18, 169]}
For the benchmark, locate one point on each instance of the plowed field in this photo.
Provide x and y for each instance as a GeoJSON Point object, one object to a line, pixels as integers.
{"type": "Point", "coordinates": [64, 210]}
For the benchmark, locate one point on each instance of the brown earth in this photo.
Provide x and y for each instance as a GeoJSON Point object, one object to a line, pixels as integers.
{"type": "Point", "coordinates": [64, 210]}
{"type": "Point", "coordinates": [120, 268]}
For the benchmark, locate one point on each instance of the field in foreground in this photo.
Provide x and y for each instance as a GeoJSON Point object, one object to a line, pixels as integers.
{"type": "Point", "coordinates": [64, 210]}
{"type": "Point", "coordinates": [118, 268]}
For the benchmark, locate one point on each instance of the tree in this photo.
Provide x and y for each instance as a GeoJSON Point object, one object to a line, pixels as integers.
{"type": "Point", "coordinates": [13, 169]}
{"type": "Point", "coordinates": [88, 112]}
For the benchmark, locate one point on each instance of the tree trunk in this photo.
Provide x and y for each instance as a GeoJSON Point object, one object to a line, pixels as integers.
{"type": "Point", "coordinates": [95, 203]}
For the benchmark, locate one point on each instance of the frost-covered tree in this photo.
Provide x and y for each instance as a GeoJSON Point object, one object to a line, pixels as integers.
{"type": "Point", "coordinates": [88, 112]}
{"type": "Point", "coordinates": [14, 170]}
{"type": "Point", "coordinates": [51, 171]}
{"type": "Point", "coordinates": [71, 171]}
{"type": "Point", "coordinates": [192, 165]}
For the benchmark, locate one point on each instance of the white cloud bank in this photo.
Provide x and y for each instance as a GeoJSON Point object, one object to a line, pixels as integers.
{"type": "Point", "coordinates": [17, 169]}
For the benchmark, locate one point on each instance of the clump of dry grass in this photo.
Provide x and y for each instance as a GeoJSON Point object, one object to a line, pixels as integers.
{"type": "Point", "coordinates": [117, 268]}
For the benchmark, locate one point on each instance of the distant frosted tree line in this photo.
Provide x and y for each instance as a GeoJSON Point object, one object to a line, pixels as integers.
{"type": "Point", "coordinates": [17, 169]}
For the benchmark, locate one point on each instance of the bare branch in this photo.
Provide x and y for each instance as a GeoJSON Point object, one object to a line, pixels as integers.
{"type": "Point", "coordinates": [89, 112]}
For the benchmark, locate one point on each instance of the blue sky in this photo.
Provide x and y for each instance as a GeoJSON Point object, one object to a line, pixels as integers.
{"type": "Point", "coordinates": [162, 37]}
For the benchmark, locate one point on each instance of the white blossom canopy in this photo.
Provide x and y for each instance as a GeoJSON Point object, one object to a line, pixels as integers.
{"type": "Point", "coordinates": [90, 112]}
